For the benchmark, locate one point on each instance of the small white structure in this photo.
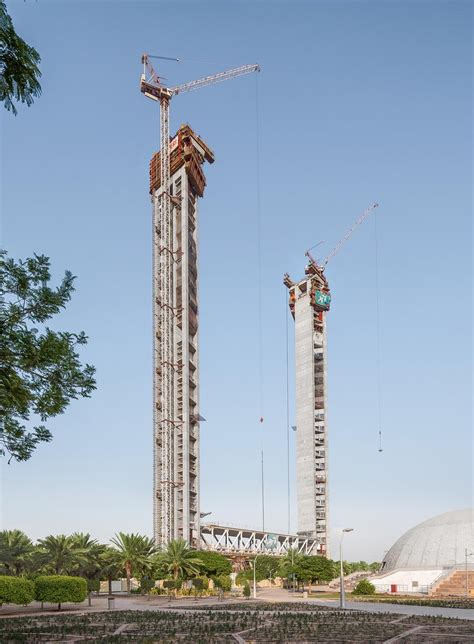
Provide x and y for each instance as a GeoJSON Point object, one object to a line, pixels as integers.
{"type": "Point", "coordinates": [407, 581]}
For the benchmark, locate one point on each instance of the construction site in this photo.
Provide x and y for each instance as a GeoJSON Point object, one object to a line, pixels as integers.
{"type": "Point", "coordinates": [177, 182]}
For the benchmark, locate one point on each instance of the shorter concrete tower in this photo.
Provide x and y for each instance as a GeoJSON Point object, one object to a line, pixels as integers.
{"type": "Point", "coordinates": [309, 301]}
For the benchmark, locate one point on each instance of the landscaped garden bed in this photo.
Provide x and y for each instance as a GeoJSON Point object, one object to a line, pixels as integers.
{"type": "Point", "coordinates": [254, 622]}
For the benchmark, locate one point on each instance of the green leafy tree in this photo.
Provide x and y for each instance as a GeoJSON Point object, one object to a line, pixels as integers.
{"type": "Point", "coordinates": [135, 553]}
{"type": "Point", "coordinates": [213, 563]}
{"type": "Point", "coordinates": [246, 590]}
{"type": "Point", "coordinates": [16, 550]}
{"type": "Point", "coordinates": [19, 65]}
{"type": "Point", "coordinates": [179, 561]}
{"type": "Point", "coordinates": [288, 565]}
{"type": "Point", "coordinates": [60, 554]}
{"type": "Point", "coordinates": [58, 589]}
{"type": "Point", "coordinates": [266, 567]}
{"type": "Point", "coordinates": [315, 569]}
{"type": "Point", "coordinates": [41, 371]}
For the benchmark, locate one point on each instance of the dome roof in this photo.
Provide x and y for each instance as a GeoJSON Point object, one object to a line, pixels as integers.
{"type": "Point", "coordinates": [437, 543]}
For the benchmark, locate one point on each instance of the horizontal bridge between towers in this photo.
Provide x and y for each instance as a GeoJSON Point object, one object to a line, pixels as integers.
{"type": "Point", "coordinates": [243, 541]}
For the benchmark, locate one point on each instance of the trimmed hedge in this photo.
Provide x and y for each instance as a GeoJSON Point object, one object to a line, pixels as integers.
{"type": "Point", "coordinates": [15, 590]}
{"type": "Point", "coordinates": [58, 589]}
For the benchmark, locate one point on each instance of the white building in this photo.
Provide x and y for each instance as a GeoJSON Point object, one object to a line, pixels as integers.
{"type": "Point", "coordinates": [429, 553]}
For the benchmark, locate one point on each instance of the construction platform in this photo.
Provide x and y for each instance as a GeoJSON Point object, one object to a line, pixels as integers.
{"type": "Point", "coordinates": [245, 541]}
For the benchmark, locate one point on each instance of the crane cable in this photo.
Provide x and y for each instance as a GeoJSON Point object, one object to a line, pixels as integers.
{"type": "Point", "coordinates": [378, 352]}
{"type": "Point", "coordinates": [288, 412]}
{"type": "Point", "coordinates": [259, 290]}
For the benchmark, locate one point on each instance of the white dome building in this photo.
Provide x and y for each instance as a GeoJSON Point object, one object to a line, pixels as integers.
{"type": "Point", "coordinates": [427, 552]}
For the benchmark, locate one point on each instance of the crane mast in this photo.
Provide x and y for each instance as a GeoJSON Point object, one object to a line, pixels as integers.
{"type": "Point", "coordinates": [164, 368]}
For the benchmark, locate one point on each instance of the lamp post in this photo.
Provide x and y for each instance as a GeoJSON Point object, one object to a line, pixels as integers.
{"type": "Point", "coordinates": [342, 593]}
{"type": "Point", "coordinates": [466, 555]}
{"type": "Point", "coordinates": [253, 562]}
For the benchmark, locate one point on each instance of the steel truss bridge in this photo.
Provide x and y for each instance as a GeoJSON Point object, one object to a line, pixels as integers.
{"type": "Point", "coordinates": [244, 541]}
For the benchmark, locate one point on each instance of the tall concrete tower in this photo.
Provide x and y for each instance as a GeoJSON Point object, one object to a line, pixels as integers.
{"type": "Point", "coordinates": [309, 301]}
{"type": "Point", "coordinates": [175, 338]}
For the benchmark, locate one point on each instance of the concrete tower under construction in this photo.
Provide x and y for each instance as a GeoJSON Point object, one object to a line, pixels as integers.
{"type": "Point", "coordinates": [309, 301]}
{"type": "Point", "coordinates": [175, 337]}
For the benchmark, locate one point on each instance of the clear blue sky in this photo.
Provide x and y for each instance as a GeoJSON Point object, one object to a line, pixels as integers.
{"type": "Point", "coordinates": [358, 101]}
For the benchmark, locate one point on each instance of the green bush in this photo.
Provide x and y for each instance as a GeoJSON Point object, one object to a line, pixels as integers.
{"type": "Point", "coordinates": [247, 590]}
{"type": "Point", "coordinates": [200, 583]}
{"type": "Point", "coordinates": [364, 587]}
{"type": "Point", "coordinates": [223, 582]}
{"type": "Point", "coordinates": [16, 590]}
{"type": "Point", "coordinates": [146, 584]}
{"type": "Point", "coordinates": [243, 577]}
{"type": "Point", "coordinates": [58, 589]}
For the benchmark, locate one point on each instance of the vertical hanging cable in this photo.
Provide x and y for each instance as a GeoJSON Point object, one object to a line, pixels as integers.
{"type": "Point", "coordinates": [263, 497]}
{"type": "Point", "coordinates": [377, 307]}
{"type": "Point", "coordinates": [287, 412]}
{"type": "Point", "coordinates": [259, 279]}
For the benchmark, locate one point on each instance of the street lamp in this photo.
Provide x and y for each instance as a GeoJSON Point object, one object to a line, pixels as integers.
{"type": "Point", "coordinates": [342, 593]}
{"type": "Point", "coordinates": [466, 555]}
{"type": "Point", "coordinates": [253, 562]}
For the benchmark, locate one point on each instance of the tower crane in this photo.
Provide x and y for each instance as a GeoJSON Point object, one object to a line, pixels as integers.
{"type": "Point", "coordinates": [343, 240]}
{"type": "Point", "coordinates": [319, 268]}
{"type": "Point", "coordinates": [153, 87]}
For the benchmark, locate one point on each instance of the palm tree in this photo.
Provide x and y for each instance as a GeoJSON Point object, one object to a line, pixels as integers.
{"type": "Point", "coordinates": [135, 552]}
{"type": "Point", "coordinates": [179, 560]}
{"type": "Point", "coordinates": [15, 550]}
{"type": "Point", "coordinates": [61, 553]}
{"type": "Point", "coordinates": [111, 566]}
{"type": "Point", "coordinates": [89, 565]}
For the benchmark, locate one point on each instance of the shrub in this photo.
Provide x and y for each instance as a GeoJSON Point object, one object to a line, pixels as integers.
{"type": "Point", "coordinates": [171, 584]}
{"type": "Point", "coordinates": [200, 583]}
{"type": "Point", "coordinates": [243, 577]}
{"type": "Point", "coordinates": [364, 587]}
{"type": "Point", "coordinates": [16, 590]}
{"type": "Point", "coordinates": [146, 584]}
{"type": "Point", "coordinates": [58, 589]}
{"type": "Point", "coordinates": [223, 582]}
{"type": "Point", "coordinates": [246, 590]}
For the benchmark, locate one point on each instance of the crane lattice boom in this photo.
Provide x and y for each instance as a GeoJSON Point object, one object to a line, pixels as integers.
{"type": "Point", "coordinates": [349, 233]}
{"type": "Point", "coordinates": [215, 78]}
